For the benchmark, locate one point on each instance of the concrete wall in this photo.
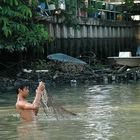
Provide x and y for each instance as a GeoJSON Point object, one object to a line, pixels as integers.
{"type": "Point", "coordinates": [137, 30]}
{"type": "Point", "coordinates": [123, 33]}
{"type": "Point", "coordinates": [90, 28]}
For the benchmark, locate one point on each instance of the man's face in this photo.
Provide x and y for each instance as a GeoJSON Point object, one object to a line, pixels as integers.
{"type": "Point", "coordinates": [25, 91]}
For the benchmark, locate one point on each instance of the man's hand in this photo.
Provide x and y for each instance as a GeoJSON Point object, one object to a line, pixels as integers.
{"type": "Point", "coordinates": [40, 87]}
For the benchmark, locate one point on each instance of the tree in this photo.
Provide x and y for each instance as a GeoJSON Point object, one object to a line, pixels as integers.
{"type": "Point", "coordinates": [129, 3]}
{"type": "Point", "coordinates": [19, 29]}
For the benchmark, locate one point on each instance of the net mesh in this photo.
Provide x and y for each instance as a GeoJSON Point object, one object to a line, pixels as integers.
{"type": "Point", "coordinates": [49, 105]}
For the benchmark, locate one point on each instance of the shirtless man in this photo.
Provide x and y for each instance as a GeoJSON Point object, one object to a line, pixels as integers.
{"type": "Point", "coordinates": [28, 111]}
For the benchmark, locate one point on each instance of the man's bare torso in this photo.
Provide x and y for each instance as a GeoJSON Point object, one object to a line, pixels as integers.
{"type": "Point", "coordinates": [25, 114]}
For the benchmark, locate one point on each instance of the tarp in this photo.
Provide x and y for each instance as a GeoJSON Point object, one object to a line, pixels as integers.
{"type": "Point", "coordinates": [65, 58]}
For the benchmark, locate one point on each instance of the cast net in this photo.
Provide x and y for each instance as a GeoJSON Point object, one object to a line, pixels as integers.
{"type": "Point", "coordinates": [50, 106]}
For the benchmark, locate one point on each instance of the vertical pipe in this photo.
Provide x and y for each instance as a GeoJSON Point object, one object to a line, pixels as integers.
{"type": "Point", "coordinates": [95, 31]}
{"type": "Point", "coordinates": [78, 32]}
{"type": "Point", "coordinates": [58, 31]}
{"type": "Point", "coordinates": [71, 32]}
{"type": "Point", "coordinates": [84, 32]}
{"type": "Point", "coordinates": [105, 32]}
{"type": "Point", "coordinates": [90, 32]}
{"type": "Point", "coordinates": [64, 32]}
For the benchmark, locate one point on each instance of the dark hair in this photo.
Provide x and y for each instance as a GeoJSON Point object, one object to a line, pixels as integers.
{"type": "Point", "coordinates": [21, 84]}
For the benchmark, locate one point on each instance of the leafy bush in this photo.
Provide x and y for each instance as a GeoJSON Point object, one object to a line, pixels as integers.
{"type": "Point", "coordinates": [18, 26]}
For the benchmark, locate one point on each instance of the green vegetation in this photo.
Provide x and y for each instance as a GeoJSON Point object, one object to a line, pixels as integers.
{"type": "Point", "coordinates": [19, 29]}
{"type": "Point", "coordinates": [129, 3]}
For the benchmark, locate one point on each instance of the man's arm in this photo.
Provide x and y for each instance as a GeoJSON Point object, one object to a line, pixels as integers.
{"type": "Point", "coordinates": [37, 99]}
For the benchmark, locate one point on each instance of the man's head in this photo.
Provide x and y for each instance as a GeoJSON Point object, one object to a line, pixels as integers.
{"type": "Point", "coordinates": [22, 87]}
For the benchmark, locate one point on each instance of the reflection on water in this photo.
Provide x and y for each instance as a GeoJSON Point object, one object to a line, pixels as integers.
{"type": "Point", "coordinates": [105, 112]}
{"type": "Point", "coordinates": [29, 131]}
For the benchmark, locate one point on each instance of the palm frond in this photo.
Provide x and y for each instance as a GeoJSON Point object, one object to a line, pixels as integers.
{"type": "Point", "coordinates": [11, 2]}
{"type": "Point", "coordinates": [5, 26]}
{"type": "Point", "coordinates": [25, 11]}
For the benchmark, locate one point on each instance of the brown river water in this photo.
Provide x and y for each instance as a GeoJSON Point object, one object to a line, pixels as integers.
{"type": "Point", "coordinates": [104, 112]}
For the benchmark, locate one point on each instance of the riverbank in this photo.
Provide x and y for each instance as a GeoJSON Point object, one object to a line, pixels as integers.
{"type": "Point", "coordinates": [57, 74]}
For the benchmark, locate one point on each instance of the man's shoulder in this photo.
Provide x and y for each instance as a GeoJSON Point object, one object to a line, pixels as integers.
{"type": "Point", "coordinates": [20, 103]}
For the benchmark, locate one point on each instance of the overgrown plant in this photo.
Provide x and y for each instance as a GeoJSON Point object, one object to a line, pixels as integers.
{"type": "Point", "coordinates": [129, 3]}
{"type": "Point", "coordinates": [18, 27]}
{"type": "Point", "coordinates": [39, 64]}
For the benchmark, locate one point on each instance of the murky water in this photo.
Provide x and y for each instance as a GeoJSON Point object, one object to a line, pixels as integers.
{"type": "Point", "coordinates": [105, 112]}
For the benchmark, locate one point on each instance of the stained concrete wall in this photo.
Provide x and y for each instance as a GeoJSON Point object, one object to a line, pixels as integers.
{"type": "Point", "coordinates": [94, 29]}
{"type": "Point", "coordinates": [91, 28]}
{"type": "Point", "coordinates": [137, 30]}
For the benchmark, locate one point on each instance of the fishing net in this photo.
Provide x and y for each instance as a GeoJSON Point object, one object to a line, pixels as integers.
{"type": "Point", "coordinates": [49, 105]}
